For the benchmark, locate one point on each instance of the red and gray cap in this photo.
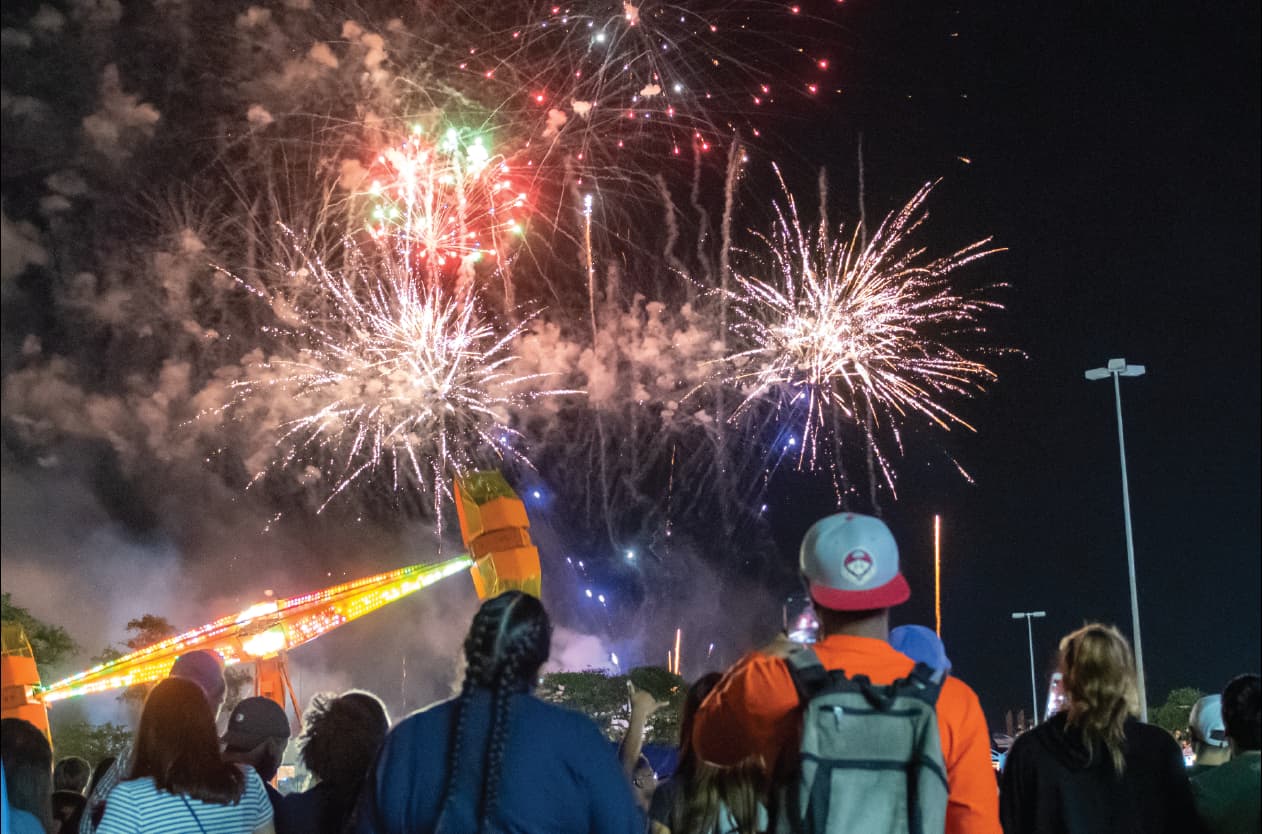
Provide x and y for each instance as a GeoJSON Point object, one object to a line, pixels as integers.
{"type": "Point", "coordinates": [850, 562]}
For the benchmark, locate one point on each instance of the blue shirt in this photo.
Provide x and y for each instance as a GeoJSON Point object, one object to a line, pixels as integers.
{"type": "Point", "coordinates": [137, 806]}
{"type": "Point", "coordinates": [559, 774]}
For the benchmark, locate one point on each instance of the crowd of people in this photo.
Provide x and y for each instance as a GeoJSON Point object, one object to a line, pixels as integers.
{"type": "Point", "coordinates": [864, 730]}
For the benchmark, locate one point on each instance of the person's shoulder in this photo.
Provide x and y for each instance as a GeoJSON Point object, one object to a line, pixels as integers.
{"type": "Point", "coordinates": [1141, 736]}
{"type": "Point", "coordinates": [425, 718]}
{"type": "Point", "coordinates": [253, 782]}
{"type": "Point", "coordinates": [557, 717]}
{"type": "Point", "coordinates": [957, 698]}
{"type": "Point", "coordinates": [1037, 737]}
{"type": "Point", "coordinates": [132, 788]}
{"type": "Point", "coordinates": [23, 822]}
{"type": "Point", "coordinates": [301, 799]}
{"type": "Point", "coordinates": [1238, 769]}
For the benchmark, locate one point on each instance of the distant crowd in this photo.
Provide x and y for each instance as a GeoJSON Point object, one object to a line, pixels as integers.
{"type": "Point", "coordinates": [862, 730]}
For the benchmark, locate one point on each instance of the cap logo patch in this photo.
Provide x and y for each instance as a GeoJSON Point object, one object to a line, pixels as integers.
{"type": "Point", "coordinates": [859, 565]}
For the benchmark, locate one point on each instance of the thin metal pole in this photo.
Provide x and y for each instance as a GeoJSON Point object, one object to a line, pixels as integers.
{"type": "Point", "coordinates": [1130, 556]}
{"type": "Point", "coordinates": [937, 574]}
{"type": "Point", "coordinates": [1034, 690]}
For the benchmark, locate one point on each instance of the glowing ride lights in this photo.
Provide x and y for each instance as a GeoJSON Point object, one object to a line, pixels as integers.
{"type": "Point", "coordinates": [261, 631]}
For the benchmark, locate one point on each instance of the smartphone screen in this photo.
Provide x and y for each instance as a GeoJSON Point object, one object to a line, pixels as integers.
{"type": "Point", "coordinates": [800, 623]}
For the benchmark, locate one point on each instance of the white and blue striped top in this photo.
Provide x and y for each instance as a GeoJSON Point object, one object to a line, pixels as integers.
{"type": "Point", "coordinates": [136, 806]}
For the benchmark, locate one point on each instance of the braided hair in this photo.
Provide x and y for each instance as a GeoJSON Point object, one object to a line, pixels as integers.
{"type": "Point", "coordinates": [507, 643]}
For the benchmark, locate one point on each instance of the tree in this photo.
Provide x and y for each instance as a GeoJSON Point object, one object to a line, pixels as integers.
{"type": "Point", "coordinates": [89, 741]}
{"type": "Point", "coordinates": [143, 631]}
{"type": "Point", "coordinates": [605, 699]}
{"type": "Point", "coordinates": [148, 629]}
{"type": "Point", "coordinates": [1174, 713]}
{"type": "Point", "coordinates": [50, 643]}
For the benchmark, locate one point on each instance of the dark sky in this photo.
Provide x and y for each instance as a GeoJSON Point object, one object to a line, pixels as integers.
{"type": "Point", "coordinates": [1114, 150]}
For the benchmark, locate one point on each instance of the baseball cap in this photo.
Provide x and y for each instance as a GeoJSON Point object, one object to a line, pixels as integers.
{"type": "Point", "coordinates": [850, 562]}
{"type": "Point", "coordinates": [921, 644]}
{"type": "Point", "coordinates": [253, 720]}
{"type": "Point", "coordinates": [203, 668]}
{"type": "Point", "coordinates": [1206, 721]}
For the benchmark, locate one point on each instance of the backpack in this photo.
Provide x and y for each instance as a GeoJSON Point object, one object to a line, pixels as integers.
{"type": "Point", "coordinates": [870, 760]}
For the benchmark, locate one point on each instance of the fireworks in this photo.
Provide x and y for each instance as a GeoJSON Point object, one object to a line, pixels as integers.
{"type": "Point", "coordinates": [449, 200]}
{"type": "Point", "coordinates": [839, 330]}
{"type": "Point", "coordinates": [601, 87]}
{"type": "Point", "coordinates": [388, 373]}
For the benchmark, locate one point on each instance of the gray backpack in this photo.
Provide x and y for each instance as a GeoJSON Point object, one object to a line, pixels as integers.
{"type": "Point", "coordinates": [870, 760]}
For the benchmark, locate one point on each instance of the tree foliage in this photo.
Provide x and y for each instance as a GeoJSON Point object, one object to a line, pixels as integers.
{"type": "Point", "coordinates": [89, 741]}
{"type": "Point", "coordinates": [50, 643]}
{"type": "Point", "coordinates": [1173, 714]}
{"type": "Point", "coordinates": [143, 631]}
{"type": "Point", "coordinates": [605, 698]}
{"type": "Point", "coordinates": [148, 629]}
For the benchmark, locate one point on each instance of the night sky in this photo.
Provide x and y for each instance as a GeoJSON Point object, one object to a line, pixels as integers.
{"type": "Point", "coordinates": [1112, 148]}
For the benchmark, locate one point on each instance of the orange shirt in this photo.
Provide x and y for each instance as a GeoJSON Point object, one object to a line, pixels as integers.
{"type": "Point", "coordinates": [754, 711]}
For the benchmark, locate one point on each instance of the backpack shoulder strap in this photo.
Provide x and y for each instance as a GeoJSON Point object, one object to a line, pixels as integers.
{"type": "Point", "coordinates": [808, 674]}
{"type": "Point", "coordinates": [924, 683]}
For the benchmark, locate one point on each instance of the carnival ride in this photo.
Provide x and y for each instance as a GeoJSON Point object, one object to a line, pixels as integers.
{"type": "Point", "coordinates": [493, 525]}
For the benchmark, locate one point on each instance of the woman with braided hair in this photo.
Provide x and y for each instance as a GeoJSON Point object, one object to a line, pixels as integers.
{"type": "Point", "coordinates": [495, 758]}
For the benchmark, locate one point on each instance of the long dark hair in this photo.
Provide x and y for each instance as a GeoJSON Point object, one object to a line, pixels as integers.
{"type": "Point", "coordinates": [507, 643]}
{"type": "Point", "coordinates": [177, 747]}
{"type": "Point", "coordinates": [688, 759]}
{"type": "Point", "coordinates": [28, 768]}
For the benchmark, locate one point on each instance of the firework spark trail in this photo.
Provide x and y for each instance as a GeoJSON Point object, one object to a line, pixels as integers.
{"type": "Point", "coordinates": [614, 89]}
{"type": "Point", "coordinates": [389, 372]}
{"type": "Point", "coordinates": [837, 326]}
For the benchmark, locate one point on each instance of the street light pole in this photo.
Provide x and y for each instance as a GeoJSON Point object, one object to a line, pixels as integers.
{"type": "Point", "coordinates": [1029, 631]}
{"type": "Point", "coordinates": [1118, 368]}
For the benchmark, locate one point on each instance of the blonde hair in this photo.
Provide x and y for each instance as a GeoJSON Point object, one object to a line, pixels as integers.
{"type": "Point", "coordinates": [1100, 687]}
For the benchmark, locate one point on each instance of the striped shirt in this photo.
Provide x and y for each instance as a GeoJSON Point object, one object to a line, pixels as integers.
{"type": "Point", "coordinates": [137, 806]}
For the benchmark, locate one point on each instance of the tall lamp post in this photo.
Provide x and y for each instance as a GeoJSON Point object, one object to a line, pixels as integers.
{"type": "Point", "coordinates": [1118, 368]}
{"type": "Point", "coordinates": [1029, 631]}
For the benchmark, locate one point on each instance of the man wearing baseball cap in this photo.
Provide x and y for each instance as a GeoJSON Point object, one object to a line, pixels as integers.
{"type": "Point", "coordinates": [1209, 736]}
{"type": "Point", "coordinates": [850, 565]}
{"type": "Point", "coordinates": [258, 732]}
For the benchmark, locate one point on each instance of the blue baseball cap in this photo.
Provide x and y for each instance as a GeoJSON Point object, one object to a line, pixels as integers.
{"type": "Point", "coordinates": [921, 644]}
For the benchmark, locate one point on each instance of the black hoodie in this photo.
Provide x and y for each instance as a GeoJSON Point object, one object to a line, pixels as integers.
{"type": "Point", "coordinates": [1052, 784]}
